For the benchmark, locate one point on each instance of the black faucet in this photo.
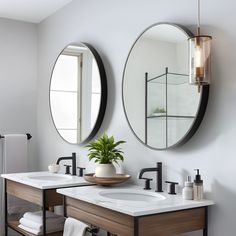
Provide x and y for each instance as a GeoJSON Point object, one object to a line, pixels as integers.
{"type": "Point", "coordinates": [73, 159]}
{"type": "Point", "coordinates": [158, 169]}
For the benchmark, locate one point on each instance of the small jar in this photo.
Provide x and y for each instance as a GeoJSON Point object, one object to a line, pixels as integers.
{"type": "Point", "coordinates": [188, 189]}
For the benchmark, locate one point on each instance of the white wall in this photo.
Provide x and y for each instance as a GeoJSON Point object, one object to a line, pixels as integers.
{"type": "Point", "coordinates": [18, 74]}
{"type": "Point", "coordinates": [111, 27]}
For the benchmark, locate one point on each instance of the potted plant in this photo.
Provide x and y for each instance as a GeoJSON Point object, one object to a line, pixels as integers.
{"type": "Point", "coordinates": [104, 151]}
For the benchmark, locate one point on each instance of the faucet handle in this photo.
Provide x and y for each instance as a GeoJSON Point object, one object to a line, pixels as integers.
{"type": "Point", "coordinates": [147, 183]}
{"type": "Point", "coordinates": [172, 187]}
{"type": "Point", "coordinates": [81, 171]}
{"type": "Point", "coordinates": [67, 169]}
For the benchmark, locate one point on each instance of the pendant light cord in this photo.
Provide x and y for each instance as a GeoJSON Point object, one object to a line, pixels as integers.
{"type": "Point", "coordinates": [198, 17]}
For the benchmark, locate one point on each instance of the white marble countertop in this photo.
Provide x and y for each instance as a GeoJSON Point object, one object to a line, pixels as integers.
{"type": "Point", "coordinates": [46, 180]}
{"type": "Point", "coordinates": [93, 194]}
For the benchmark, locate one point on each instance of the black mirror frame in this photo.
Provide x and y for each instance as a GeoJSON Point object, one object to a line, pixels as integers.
{"type": "Point", "coordinates": [103, 103]}
{"type": "Point", "coordinates": [202, 104]}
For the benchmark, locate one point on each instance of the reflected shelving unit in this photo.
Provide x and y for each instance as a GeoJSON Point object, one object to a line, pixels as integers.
{"type": "Point", "coordinates": [166, 80]}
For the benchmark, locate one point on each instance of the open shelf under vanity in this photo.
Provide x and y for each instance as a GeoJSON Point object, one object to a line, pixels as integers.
{"type": "Point", "coordinates": [41, 194]}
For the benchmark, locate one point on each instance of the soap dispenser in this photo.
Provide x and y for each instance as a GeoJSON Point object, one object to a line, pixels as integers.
{"type": "Point", "coordinates": [188, 189]}
{"type": "Point", "coordinates": [198, 187]}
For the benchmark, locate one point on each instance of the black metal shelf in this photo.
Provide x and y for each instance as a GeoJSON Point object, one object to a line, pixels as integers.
{"type": "Point", "coordinates": [170, 116]}
{"type": "Point", "coordinates": [165, 80]}
{"type": "Point", "coordinates": [161, 79]}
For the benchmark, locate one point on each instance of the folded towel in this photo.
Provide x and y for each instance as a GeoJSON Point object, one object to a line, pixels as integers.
{"type": "Point", "coordinates": [75, 227]}
{"type": "Point", "coordinates": [33, 231]}
{"type": "Point", "coordinates": [38, 216]}
{"type": "Point", "coordinates": [51, 223]}
{"type": "Point", "coordinates": [29, 229]}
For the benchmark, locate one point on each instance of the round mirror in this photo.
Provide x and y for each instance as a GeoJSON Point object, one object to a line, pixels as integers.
{"type": "Point", "coordinates": [162, 108]}
{"type": "Point", "coordinates": [78, 93]}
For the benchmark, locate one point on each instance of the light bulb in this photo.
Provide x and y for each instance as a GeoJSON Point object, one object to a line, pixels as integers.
{"type": "Point", "coordinates": [199, 61]}
{"type": "Point", "coordinates": [198, 57]}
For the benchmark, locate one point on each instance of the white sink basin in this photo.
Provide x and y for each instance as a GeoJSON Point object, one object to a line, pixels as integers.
{"type": "Point", "coordinates": [49, 178]}
{"type": "Point", "coordinates": [132, 195]}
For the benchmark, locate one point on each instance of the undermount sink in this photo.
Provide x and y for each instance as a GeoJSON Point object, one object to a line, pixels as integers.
{"type": "Point", "coordinates": [132, 195]}
{"type": "Point", "coordinates": [52, 177]}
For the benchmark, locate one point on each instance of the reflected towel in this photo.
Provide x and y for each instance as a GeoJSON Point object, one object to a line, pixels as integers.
{"type": "Point", "coordinates": [38, 216]}
{"type": "Point", "coordinates": [75, 227]}
{"type": "Point", "coordinates": [51, 224]}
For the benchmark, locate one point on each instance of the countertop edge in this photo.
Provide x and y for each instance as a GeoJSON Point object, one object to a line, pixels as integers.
{"type": "Point", "coordinates": [194, 204]}
{"type": "Point", "coordinates": [38, 186]}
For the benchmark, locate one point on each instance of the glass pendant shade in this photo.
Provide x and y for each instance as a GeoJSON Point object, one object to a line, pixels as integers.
{"type": "Point", "coordinates": [200, 61]}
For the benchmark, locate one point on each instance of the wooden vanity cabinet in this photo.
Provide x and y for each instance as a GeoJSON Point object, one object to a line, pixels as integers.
{"type": "Point", "coordinates": [162, 224]}
{"type": "Point", "coordinates": [42, 197]}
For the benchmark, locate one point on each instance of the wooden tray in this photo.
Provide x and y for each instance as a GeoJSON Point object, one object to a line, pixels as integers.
{"type": "Point", "coordinates": [118, 179]}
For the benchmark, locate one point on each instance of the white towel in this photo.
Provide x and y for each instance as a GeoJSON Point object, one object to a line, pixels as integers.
{"type": "Point", "coordinates": [15, 157]}
{"type": "Point", "coordinates": [38, 216]}
{"type": "Point", "coordinates": [57, 228]}
{"type": "Point", "coordinates": [51, 223]}
{"type": "Point", "coordinates": [75, 227]}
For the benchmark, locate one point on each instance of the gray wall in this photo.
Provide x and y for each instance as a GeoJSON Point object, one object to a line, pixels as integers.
{"type": "Point", "coordinates": [111, 27]}
{"type": "Point", "coordinates": [18, 78]}
{"type": "Point", "coordinates": [18, 75]}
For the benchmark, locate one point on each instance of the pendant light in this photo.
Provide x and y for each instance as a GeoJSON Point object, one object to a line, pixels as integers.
{"type": "Point", "coordinates": [199, 55]}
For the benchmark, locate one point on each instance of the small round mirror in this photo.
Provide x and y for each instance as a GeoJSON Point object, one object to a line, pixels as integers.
{"type": "Point", "coordinates": [78, 93]}
{"type": "Point", "coordinates": [162, 108]}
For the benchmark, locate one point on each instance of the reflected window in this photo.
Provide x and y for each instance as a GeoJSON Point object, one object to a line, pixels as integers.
{"type": "Point", "coordinates": [65, 96]}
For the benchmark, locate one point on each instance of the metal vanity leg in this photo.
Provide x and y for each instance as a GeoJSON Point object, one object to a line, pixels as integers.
{"type": "Point", "coordinates": [5, 207]}
{"type": "Point", "coordinates": [205, 230]}
{"type": "Point", "coordinates": [64, 206]}
{"type": "Point", "coordinates": [44, 212]}
{"type": "Point", "coordinates": [136, 233]}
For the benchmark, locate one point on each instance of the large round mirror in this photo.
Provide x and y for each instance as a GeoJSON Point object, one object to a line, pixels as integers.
{"type": "Point", "coordinates": [162, 108]}
{"type": "Point", "coordinates": [78, 93]}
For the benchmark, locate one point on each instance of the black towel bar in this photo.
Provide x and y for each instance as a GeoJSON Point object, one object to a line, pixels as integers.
{"type": "Point", "coordinates": [93, 230]}
{"type": "Point", "coordinates": [29, 136]}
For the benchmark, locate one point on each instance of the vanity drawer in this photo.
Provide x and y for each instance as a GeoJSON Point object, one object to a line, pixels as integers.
{"type": "Point", "coordinates": [34, 195]}
{"type": "Point", "coordinates": [172, 223]}
{"type": "Point", "coordinates": [25, 192]}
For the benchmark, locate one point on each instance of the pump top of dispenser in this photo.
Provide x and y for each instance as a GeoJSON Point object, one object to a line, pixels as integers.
{"type": "Point", "coordinates": [188, 183]}
{"type": "Point", "coordinates": [198, 179]}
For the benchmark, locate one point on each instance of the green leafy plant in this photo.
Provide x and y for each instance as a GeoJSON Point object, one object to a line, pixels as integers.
{"type": "Point", "coordinates": [159, 110]}
{"type": "Point", "coordinates": [104, 150]}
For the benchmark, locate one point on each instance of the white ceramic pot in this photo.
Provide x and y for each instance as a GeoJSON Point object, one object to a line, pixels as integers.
{"type": "Point", "coordinates": [105, 170]}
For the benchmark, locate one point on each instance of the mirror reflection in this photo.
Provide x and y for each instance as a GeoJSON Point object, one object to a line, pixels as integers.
{"type": "Point", "coordinates": [75, 93]}
{"type": "Point", "coordinates": [160, 104]}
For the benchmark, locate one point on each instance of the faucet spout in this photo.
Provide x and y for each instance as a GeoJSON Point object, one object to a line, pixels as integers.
{"type": "Point", "coordinates": [140, 176]}
{"type": "Point", "coordinates": [158, 170]}
{"type": "Point", "coordinates": [72, 158]}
